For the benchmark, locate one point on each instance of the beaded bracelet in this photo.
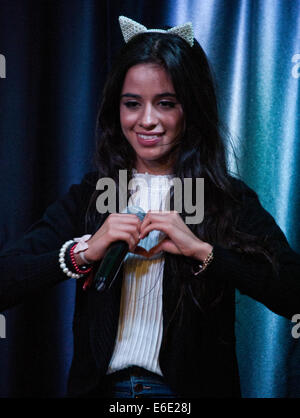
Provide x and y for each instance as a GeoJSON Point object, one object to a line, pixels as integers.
{"type": "Point", "coordinates": [83, 269]}
{"type": "Point", "coordinates": [63, 261]}
{"type": "Point", "coordinates": [202, 266]}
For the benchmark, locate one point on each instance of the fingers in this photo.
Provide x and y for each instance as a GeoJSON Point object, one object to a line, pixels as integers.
{"type": "Point", "coordinates": [125, 227]}
{"type": "Point", "coordinates": [165, 245]}
{"type": "Point", "coordinates": [128, 233]}
{"type": "Point", "coordinates": [170, 216]}
{"type": "Point", "coordinates": [158, 226]}
{"type": "Point", "coordinates": [117, 227]}
{"type": "Point", "coordinates": [123, 218]}
{"type": "Point", "coordinates": [158, 220]}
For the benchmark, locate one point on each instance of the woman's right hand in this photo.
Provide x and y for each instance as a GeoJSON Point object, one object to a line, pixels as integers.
{"type": "Point", "coordinates": [117, 227]}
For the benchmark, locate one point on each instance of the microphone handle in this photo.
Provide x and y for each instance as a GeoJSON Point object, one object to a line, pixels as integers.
{"type": "Point", "coordinates": [114, 257]}
{"type": "Point", "coordinates": [110, 265]}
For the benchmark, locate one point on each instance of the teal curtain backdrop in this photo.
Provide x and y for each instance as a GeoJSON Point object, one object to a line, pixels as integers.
{"type": "Point", "coordinates": [57, 54]}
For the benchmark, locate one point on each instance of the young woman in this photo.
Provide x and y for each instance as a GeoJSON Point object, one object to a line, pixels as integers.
{"type": "Point", "coordinates": [165, 328]}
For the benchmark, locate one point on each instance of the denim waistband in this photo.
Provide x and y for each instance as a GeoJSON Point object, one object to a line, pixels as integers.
{"type": "Point", "coordinates": [135, 371]}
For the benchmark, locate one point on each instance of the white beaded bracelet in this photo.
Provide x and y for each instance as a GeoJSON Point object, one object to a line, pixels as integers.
{"type": "Point", "coordinates": [62, 263]}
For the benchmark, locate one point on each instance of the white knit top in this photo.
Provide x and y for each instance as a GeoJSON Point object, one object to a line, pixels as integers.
{"type": "Point", "coordinates": [140, 322]}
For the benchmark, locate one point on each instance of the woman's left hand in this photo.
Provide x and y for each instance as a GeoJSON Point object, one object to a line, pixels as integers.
{"type": "Point", "coordinates": [179, 240]}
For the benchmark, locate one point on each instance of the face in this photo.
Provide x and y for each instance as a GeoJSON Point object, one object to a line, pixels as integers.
{"type": "Point", "coordinates": [151, 117]}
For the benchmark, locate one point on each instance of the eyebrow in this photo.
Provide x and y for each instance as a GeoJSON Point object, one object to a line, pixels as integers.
{"type": "Point", "coordinates": [161, 95]}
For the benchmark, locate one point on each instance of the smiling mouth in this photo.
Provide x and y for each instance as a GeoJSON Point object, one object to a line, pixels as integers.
{"type": "Point", "coordinates": [149, 140]}
{"type": "Point", "coordinates": [150, 136]}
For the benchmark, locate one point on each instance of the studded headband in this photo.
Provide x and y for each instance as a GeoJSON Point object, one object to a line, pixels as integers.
{"type": "Point", "coordinates": [130, 28]}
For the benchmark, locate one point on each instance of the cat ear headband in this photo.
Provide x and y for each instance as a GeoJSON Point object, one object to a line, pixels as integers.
{"type": "Point", "coordinates": [130, 28]}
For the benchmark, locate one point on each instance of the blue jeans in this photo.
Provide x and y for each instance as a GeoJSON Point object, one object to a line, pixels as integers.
{"type": "Point", "coordinates": [136, 383]}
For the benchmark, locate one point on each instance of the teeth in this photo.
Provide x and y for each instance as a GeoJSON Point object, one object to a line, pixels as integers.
{"type": "Point", "coordinates": [148, 136]}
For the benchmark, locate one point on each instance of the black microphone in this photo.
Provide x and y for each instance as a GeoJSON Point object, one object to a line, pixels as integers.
{"type": "Point", "coordinates": [114, 257]}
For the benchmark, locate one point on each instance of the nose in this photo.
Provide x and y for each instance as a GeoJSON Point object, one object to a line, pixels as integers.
{"type": "Point", "coordinates": [148, 117]}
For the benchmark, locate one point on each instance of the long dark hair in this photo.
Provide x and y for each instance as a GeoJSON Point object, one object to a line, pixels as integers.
{"type": "Point", "coordinates": [201, 151]}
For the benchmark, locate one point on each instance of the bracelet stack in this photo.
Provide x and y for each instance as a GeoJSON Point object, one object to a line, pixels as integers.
{"type": "Point", "coordinates": [202, 266]}
{"type": "Point", "coordinates": [68, 264]}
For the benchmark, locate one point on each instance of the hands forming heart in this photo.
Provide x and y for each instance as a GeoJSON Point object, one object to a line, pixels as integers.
{"type": "Point", "coordinates": [147, 253]}
{"type": "Point", "coordinates": [179, 238]}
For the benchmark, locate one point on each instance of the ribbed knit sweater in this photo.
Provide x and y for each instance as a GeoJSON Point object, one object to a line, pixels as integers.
{"type": "Point", "coordinates": [140, 326]}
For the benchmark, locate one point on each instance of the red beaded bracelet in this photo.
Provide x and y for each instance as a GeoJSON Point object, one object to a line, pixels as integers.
{"type": "Point", "coordinates": [78, 268]}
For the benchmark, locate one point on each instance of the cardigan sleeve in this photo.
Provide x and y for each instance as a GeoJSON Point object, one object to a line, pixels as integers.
{"type": "Point", "coordinates": [31, 263]}
{"type": "Point", "coordinates": [253, 275]}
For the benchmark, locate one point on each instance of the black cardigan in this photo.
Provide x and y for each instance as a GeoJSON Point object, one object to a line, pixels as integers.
{"type": "Point", "coordinates": [197, 355]}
